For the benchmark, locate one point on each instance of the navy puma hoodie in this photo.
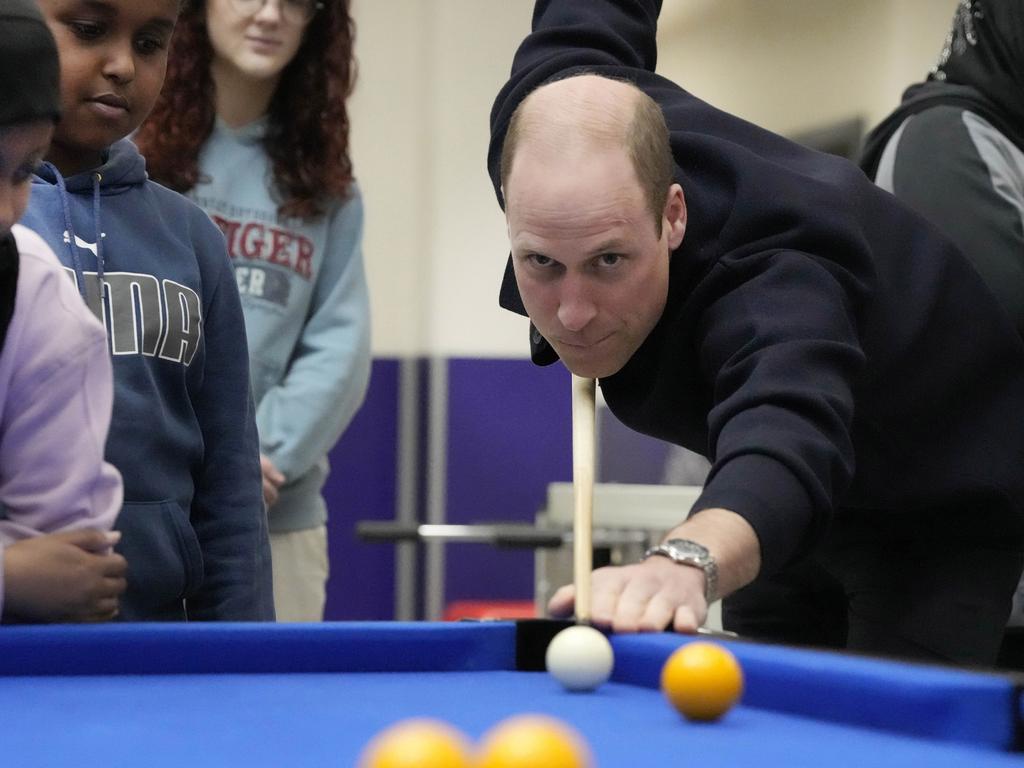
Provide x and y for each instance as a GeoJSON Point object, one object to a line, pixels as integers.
{"type": "Point", "coordinates": [154, 269]}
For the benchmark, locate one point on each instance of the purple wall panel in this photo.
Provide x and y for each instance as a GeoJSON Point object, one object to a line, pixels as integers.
{"type": "Point", "coordinates": [509, 435]}
{"type": "Point", "coordinates": [625, 456]}
{"type": "Point", "coordinates": [362, 486]}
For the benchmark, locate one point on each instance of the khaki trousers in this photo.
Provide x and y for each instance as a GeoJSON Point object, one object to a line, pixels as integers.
{"type": "Point", "coordinates": [300, 574]}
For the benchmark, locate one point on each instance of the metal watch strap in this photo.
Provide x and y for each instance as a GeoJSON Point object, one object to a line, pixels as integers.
{"type": "Point", "coordinates": [686, 552]}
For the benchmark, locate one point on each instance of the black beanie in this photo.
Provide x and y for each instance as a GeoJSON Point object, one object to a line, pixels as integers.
{"type": "Point", "coordinates": [29, 67]}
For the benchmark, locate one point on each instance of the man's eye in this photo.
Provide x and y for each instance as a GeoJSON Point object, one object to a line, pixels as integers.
{"type": "Point", "coordinates": [540, 260]}
{"type": "Point", "coordinates": [610, 259]}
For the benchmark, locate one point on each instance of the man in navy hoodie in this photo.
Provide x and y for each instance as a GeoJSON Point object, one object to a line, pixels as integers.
{"type": "Point", "coordinates": [846, 371]}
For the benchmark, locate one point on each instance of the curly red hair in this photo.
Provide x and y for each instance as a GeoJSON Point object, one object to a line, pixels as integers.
{"type": "Point", "coordinates": [307, 122]}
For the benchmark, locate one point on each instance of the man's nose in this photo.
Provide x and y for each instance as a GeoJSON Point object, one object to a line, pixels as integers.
{"type": "Point", "coordinates": [576, 307]}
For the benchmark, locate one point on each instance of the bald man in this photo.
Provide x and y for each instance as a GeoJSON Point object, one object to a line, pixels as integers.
{"type": "Point", "coordinates": [844, 369]}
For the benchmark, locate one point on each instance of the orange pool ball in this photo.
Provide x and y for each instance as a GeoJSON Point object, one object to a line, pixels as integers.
{"type": "Point", "coordinates": [418, 743]}
{"type": "Point", "coordinates": [533, 741]}
{"type": "Point", "coordinates": [702, 680]}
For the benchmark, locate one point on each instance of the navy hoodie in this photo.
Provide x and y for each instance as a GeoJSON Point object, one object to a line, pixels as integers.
{"type": "Point", "coordinates": [183, 433]}
{"type": "Point", "coordinates": [836, 358]}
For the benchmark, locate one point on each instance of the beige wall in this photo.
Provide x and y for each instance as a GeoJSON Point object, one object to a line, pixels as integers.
{"type": "Point", "coordinates": [429, 70]}
{"type": "Point", "coordinates": [792, 64]}
{"type": "Point", "coordinates": [435, 238]}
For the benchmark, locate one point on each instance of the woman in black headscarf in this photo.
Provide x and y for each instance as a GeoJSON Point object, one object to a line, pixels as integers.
{"type": "Point", "coordinates": [954, 151]}
{"type": "Point", "coordinates": [954, 148]}
{"type": "Point", "coordinates": [58, 498]}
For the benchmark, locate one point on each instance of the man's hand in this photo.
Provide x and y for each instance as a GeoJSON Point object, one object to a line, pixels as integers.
{"type": "Point", "coordinates": [652, 595]}
{"type": "Point", "coordinates": [644, 597]}
{"type": "Point", "coordinates": [72, 576]}
{"type": "Point", "coordinates": [272, 481]}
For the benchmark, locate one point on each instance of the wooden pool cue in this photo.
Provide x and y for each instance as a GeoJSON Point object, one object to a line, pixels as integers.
{"type": "Point", "coordinates": [583, 457]}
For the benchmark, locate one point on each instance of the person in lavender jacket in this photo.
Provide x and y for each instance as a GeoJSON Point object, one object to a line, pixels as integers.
{"type": "Point", "coordinates": [58, 498]}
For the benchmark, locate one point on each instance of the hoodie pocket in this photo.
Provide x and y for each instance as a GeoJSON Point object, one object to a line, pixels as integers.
{"type": "Point", "coordinates": [165, 563]}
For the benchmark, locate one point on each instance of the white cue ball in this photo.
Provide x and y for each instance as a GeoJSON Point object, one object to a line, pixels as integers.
{"type": "Point", "coordinates": [580, 658]}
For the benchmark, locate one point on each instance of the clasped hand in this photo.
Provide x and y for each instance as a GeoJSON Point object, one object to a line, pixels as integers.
{"type": "Point", "coordinates": [63, 577]}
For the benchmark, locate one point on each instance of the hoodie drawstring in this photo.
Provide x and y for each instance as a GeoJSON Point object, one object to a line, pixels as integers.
{"type": "Point", "coordinates": [97, 178]}
{"type": "Point", "coordinates": [70, 236]}
{"type": "Point", "coordinates": [69, 230]}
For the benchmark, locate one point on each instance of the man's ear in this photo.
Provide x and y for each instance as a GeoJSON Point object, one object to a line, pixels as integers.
{"type": "Point", "coordinates": [504, 209]}
{"type": "Point", "coordinates": [674, 216]}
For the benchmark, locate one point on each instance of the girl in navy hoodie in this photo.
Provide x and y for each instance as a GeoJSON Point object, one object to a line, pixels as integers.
{"type": "Point", "coordinates": [154, 269]}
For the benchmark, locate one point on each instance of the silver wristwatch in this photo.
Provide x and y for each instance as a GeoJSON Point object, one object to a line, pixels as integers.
{"type": "Point", "coordinates": [688, 552]}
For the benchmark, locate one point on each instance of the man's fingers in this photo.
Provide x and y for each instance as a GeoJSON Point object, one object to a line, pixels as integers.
{"type": "Point", "coordinates": [634, 602]}
{"type": "Point", "coordinates": [563, 601]}
{"type": "Point", "coordinates": [685, 620]}
{"type": "Point", "coordinates": [658, 614]}
{"type": "Point", "coordinates": [645, 597]}
{"type": "Point", "coordinates": [606, 607]}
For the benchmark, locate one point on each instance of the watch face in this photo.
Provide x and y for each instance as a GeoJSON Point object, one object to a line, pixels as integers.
{"type": "Point", "coordinates": [687, 552]}
{"type": "Point", "coordinates": [689, 549]}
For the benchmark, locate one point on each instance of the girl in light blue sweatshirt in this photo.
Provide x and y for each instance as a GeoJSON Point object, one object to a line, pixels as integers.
{"type": "Point", "coordinates": [252, 125]}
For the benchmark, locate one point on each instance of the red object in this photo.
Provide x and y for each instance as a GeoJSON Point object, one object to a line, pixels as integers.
{"type": "Point", "coordinates": [490, 609]}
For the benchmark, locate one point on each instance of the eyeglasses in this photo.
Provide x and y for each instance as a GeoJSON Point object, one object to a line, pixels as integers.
{"type": "Point", "coordinates": [292, 11]}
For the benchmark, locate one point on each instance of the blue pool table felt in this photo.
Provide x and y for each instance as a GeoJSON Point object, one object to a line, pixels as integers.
{"type": "Point", "coordinates": [245, 695]}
